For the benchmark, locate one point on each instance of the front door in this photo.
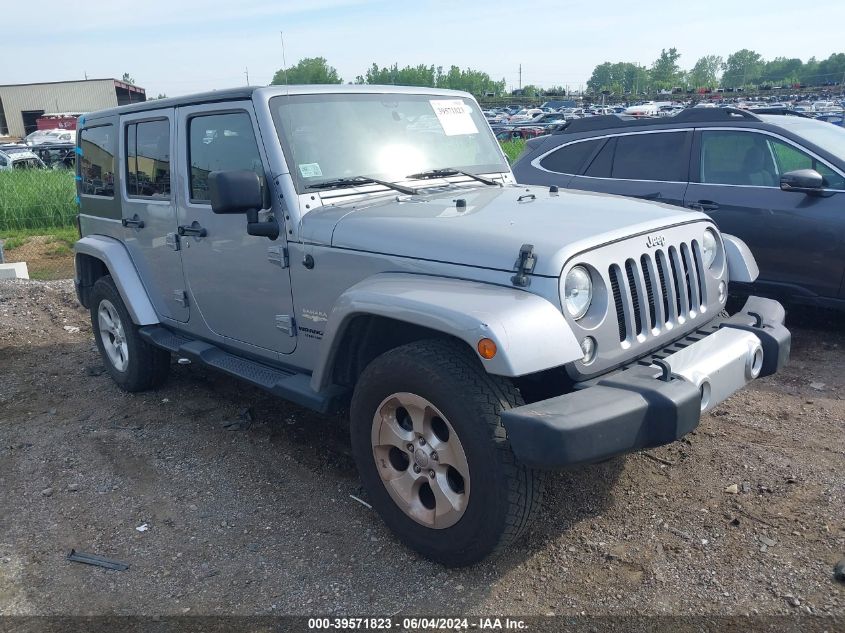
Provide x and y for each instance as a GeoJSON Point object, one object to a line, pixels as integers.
{"type": "Point", "coordinates": [238, 283]}
{"type": "Point", "coordinates": [798, 240]}
{"type": "Point", "coordinates": [149, 209]}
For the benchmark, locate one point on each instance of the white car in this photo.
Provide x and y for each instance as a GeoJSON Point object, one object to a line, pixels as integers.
{"type": "Point", "coordinates": [51, 136]}
{"type": "Point", "coordinates": [526, 114]}
{"type": "Point", "coordinates": [20, 160]}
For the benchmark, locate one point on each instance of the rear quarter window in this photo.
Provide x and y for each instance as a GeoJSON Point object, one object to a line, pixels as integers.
{"type": "Point", "coordinates": [570, 158]}
{"type": "Point", "coordinates": [96, 161]}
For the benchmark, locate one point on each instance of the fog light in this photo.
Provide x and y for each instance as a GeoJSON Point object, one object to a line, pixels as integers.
{"type": "Point", "coordinates": [588, 346]}
{"type": "Point", "coordinates": [722, 291]}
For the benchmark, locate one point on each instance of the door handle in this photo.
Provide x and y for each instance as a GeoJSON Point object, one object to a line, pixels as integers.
{"type": "Point", "coordinates": [194, 230]}
{"type": "Point", "coordinates": [703, 205]}
{"type": "Point", "coordinates": [135, 222]}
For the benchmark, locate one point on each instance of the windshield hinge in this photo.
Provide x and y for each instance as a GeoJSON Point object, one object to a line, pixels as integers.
{"type": "Point", "coordinates": [524, 266]}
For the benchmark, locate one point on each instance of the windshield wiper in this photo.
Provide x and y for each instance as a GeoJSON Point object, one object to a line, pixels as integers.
{"type": "Point", "coordinates": [451, 171]}
{"type": "Point", "coordinates": [339, 183]}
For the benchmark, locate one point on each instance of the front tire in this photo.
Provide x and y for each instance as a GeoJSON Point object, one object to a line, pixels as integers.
{"type": "Point", "coordinates": [134, 364]}
{"type": "Point", "coordinates": [433, 454]}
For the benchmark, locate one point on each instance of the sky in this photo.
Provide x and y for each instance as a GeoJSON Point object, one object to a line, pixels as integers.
{"type": "Point", "coordinates": [177, 47]}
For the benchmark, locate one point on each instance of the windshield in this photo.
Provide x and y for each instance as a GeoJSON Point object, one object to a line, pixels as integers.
{"type": "Point", "coordinates": [830, 138]}
{"type": "Point", "coordinates": [386, 136]}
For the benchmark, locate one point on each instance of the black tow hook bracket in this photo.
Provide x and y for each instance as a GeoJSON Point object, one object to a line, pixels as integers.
{"type": "Point", "coordinates": [667, 374]}
{"type": "Point", "coordinates": [524, 266]}
{"type": "Point", "coordinates": [758, 320]}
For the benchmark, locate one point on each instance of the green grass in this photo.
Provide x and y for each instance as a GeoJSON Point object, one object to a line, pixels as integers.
{"type": "Point", "coordinates": [36, 199]}
{"type": "Point", "coordinates": [513, 149]}
{"type": "Point", "coordinates": [62, 238]}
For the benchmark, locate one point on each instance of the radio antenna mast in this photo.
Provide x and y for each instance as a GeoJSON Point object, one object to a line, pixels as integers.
{"type": "Point", "coordinates": [284, 61]}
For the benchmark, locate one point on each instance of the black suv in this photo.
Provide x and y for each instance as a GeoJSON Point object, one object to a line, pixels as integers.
{"type": "Point", "coordinates": [777, 182]}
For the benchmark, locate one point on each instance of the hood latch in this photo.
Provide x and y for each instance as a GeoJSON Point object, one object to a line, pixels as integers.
{"type": "Point", "coordinates": [524, 266]}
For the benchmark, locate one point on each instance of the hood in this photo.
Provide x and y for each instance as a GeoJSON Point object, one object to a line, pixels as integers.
{"type": "Point", "coordinates": [494, 225]}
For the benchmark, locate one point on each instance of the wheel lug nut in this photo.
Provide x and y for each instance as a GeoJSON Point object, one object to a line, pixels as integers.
{"type": "Point", "coordinates": [416, 468]}
{"type": "Point", "coordinates": [411, 447]}
{"type": "Point", "coordinates": [422, 441]}
{"type": "Point", "coordinates": [431, 474]}
{"type": "Point", "coordinates": [434, 456]}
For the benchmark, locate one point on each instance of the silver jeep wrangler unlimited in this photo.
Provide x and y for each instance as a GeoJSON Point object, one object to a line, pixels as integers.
{"type": "Point", "coordinates": [366, 247]}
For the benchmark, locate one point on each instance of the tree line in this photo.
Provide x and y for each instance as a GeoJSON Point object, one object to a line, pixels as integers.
{"type": "Point", "coordinates": [741, 69]}
{"type": "Point", "coordinates": [316, 70]}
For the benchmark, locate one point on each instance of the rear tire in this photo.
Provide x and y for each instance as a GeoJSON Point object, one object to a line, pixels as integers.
{"type": "Point", "coordinates": [438, 392]}
{"type": "Point", "coordinates": [134, 364]}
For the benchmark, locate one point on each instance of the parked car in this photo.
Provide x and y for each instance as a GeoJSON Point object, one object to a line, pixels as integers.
{"type": "Point", "coordinates": [477, 331]}
{"type": "Point", "coordinates": [526, 114]}
{"type": "Point", "coordinates": [56, 155]}
{"type": "Point", "coordinates": [19, 160]}
{"type": "Point", "coordinates": [50, 136]}
{"type": "Point", "coordinates": [777, 182]}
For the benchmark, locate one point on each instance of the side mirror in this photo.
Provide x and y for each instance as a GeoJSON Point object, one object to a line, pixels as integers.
{"type": "Point", "coordinates": [234, 191]}
{"type": "Point", "coordinates": [807, 181]}
{"type": "Point", "coordinates": [240, 192]}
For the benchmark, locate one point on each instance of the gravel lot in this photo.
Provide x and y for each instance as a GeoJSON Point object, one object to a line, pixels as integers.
{"type": "Point", "coordinates": [257, 517]}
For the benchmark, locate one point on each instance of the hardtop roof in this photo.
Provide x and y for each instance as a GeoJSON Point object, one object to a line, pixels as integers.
{"type": "Point", "coordinates": [248, 92]}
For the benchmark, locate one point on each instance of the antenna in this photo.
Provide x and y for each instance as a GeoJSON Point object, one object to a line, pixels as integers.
{"type": "Point", "coordinates": [284, 61]}
{"type": "Point", "coordinates": [246, 72]}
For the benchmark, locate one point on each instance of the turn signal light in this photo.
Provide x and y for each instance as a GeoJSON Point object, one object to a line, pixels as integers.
{"type": "Point", "coordinates": [487, 348]}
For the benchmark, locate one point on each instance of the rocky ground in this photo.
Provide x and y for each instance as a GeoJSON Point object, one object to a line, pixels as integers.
{"type": "Point", "coordinates": [224, 500]}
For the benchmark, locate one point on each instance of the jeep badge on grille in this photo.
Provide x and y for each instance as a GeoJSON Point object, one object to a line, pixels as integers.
{"type": "Point", "coordinates": [655, 240]}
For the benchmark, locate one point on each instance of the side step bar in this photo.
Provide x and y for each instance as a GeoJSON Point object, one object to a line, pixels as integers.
{"type": "Point", "coordinates": [286, 384]}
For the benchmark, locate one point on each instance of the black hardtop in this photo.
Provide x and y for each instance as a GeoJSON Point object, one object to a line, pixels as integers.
{"type": "Point", "coordinates": [214, 96]}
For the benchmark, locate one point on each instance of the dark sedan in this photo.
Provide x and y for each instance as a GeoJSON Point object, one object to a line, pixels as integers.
{"type": "Point", "coordinates": [776, 182]}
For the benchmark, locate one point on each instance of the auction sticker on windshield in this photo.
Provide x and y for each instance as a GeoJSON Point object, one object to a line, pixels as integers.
{"type": "Point", "coordinates": [454, 116]}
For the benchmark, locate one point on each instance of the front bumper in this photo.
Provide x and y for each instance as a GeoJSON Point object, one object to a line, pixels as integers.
{"type": "Point", "coordinates": [657, 400]}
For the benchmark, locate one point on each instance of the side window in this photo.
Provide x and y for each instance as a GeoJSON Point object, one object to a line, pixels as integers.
{"type": "Point", "coordinates": [603, 162]}
{"type": "Point", "coordinates": [148, 159]}
{"type": "Point", "coordinates": [656, 156]}
{"type": "Point", "coordinates": [737, 158]}
{"type": "Point", "coordinates": [3, 162]}
{"type": "Point", "coordinates": [221, 142]}
{"type": "Point", "coordinates": [96, 163]}
{"type": "Point", "coordinates": [569, 159]}
{"type": "Point", "coordinates": [790, 158]}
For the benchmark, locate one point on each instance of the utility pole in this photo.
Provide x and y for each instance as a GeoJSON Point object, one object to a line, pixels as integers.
{"type": "Point", "coordinates": [246, 72]}
{"type": "Point", "coordinates": [520, 77]}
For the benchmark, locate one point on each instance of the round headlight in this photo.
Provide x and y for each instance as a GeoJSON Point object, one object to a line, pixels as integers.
{"type": "Point", "coordinates": [709, 247]}
{"type": "Point", "coordinates": [577, 292]}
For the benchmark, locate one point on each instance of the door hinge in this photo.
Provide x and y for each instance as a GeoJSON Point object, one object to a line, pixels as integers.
{"type": "Point", "coordinates": [278, 255]}
{"type": "Point", "coordinates": [172, 240]}
{"type": "Point", "coordinates": [181, 297]}
{"type": "Point", "coordinates": [286, 324]}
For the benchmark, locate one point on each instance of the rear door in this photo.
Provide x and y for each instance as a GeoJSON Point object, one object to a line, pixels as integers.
{"type": "Point", "coordinates": [146, 146]}
{"type": "Point", "coordinates": [648, 165]}
{"type": "Point", "coordinates": [798, 240]}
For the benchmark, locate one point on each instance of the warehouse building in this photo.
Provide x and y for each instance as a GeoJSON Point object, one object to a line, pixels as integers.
{"type": "Point", "coordinates": [22, 105]}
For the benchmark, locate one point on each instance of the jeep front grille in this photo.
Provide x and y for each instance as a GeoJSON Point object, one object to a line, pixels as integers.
{"type": "Point", "coordinates": [658, 291]}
